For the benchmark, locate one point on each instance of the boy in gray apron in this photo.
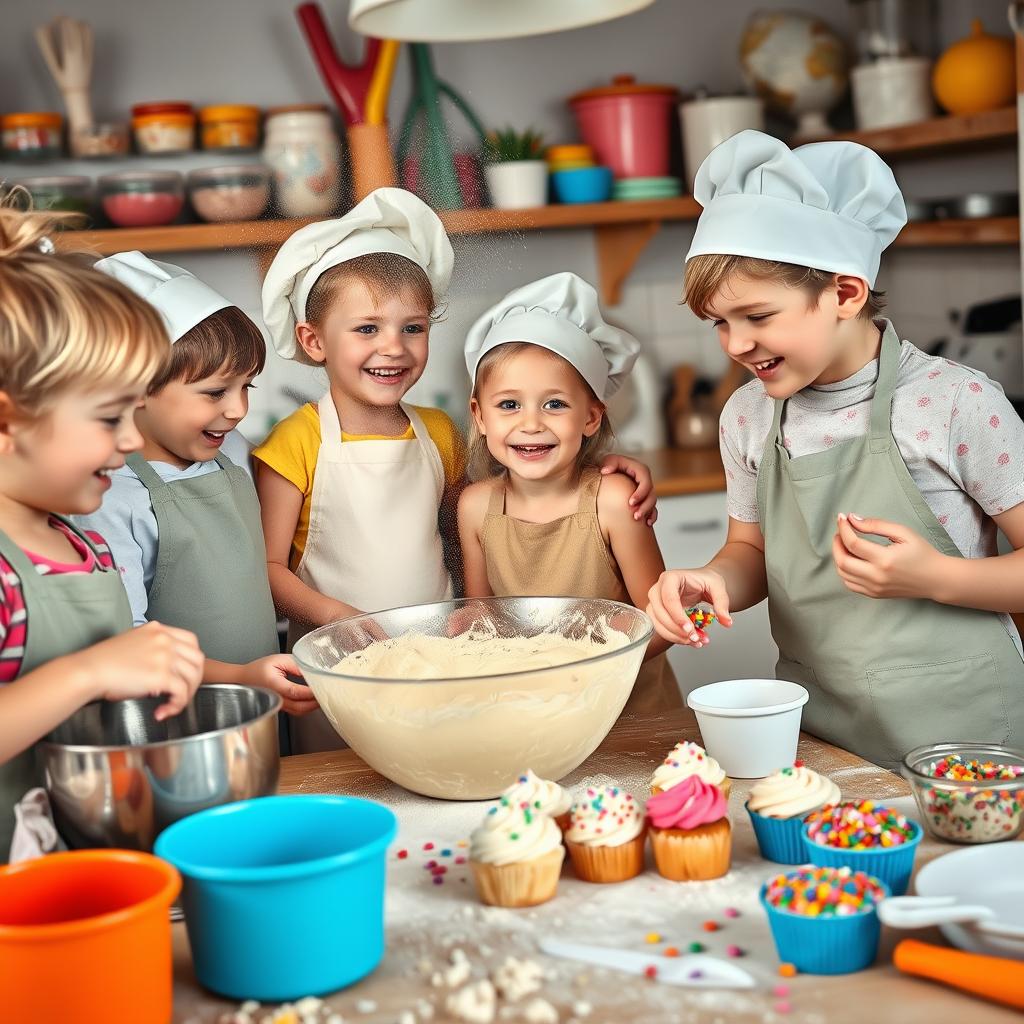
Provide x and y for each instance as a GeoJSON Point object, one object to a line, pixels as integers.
{"type": "Point", "coordinates": [897, 624]}
{"type": "Point", "coordinates": [182, 519]}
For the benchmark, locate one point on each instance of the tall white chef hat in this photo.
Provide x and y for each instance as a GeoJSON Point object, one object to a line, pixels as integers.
{"type": "Point", "coordinates": [387, 220]}
{"type": "Point", "coordinates": [829, 205]}
{"type": "Point", "coordinates": [560, 313]}
{"type": "Point", "coordinates": [179, 296]}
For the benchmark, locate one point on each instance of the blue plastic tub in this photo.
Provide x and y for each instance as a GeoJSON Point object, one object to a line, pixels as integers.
{"type": "Point", "coordinates": [779, 838]}
{"type": "Point", "coordinates": [824, 945]}
{"type": "Point", "coordinates": [283, 895]}
{"type": "Point", "coordinates": [890, 864]}
{"type": "Point", "coordinates": [583, 185]}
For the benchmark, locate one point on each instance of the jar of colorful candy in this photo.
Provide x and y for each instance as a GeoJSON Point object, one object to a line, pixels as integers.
{"type": "Point", "coordinates": [968, 792]}
{"type": "Point", "coordinates": [32, 136]}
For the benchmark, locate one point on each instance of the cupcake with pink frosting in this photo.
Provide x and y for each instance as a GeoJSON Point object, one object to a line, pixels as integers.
{"type": "Point", "coordinates": [690, 833]}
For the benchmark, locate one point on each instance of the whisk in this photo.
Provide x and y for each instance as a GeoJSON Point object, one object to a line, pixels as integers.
{"type": "Point", "coordinates": [67, 47]}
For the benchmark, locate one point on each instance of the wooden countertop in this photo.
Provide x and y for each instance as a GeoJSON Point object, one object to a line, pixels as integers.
{"type": "Point", "coordinates": [678, 471]}
{"type": "Point", "coordinates": [879, 994]}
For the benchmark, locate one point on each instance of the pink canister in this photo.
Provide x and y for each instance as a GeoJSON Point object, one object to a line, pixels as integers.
{"type": "Point", "coordinates": [627, 124]}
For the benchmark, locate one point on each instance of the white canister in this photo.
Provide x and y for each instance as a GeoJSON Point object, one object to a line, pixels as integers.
{"type": "Point", "coordinates": [709, 121]}
{"type": "Point", "coordinates": [892, 91]}
{"type": "Point", "coordinates": [302, 150]}
{"type": "Point", "coordinates": [518, 184]}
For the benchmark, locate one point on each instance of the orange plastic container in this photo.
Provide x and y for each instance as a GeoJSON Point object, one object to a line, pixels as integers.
{"type": "Point", "coordinates": [86, 937]}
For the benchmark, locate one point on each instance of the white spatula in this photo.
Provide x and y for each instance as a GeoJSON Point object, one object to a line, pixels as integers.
{"type": "Point", "coordinates": [697, 970]}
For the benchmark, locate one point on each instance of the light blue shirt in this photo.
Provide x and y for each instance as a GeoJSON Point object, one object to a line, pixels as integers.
{"type": "Point", "coordinates": [127, 523]}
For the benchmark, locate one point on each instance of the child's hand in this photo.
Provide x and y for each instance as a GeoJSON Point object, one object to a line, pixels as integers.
{"type": "Point", "coordinates": [150, 661]}
{"type": "Point", "coordinates": [679, 589]}
{"type": "Point", "coordinates": [643, 498]}
{"type": "Point", "coordinates": [907, 567]}
{"type": "Point", "coordinates": [272, 673]}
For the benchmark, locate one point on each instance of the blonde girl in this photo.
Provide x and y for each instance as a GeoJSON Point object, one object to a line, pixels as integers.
{"type": "Point", "coordinates": [543, 520]}
{"type": "Point", "coordinates": [76, 353]}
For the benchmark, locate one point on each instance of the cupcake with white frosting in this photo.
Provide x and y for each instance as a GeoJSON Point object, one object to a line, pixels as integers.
{"type": "Point", "coordinates": [685, 760]}
{"type": "Point", "coordinates": [606, 835]}
{"type": "Point", "coordinates": [540, 795]}
{"type": "Point", "coordinates": [778, 805]}
{"type": "Point", "coordinates": [516, 856]}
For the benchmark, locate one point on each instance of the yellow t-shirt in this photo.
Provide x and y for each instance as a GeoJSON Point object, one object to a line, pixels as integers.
{"type": "Point", "coordinates": [292, 447]}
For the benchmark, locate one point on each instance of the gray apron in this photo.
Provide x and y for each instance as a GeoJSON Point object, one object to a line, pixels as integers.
{"type": "Point", "coordinates": [211, 565]}
{"type": "Point", "coordinates": [884, 675]}
{"type": "Point", "coordinates": [66, 612]}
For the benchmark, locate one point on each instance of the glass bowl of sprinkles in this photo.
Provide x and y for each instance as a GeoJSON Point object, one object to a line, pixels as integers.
{"type": "Point", "coordinates": [968, 792]}
{"type": "Point", "coordinates": [823, 919]}
{"type": "Point", "coordinates": [866, 837]}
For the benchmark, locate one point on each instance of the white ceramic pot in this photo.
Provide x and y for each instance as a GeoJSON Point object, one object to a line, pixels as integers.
{"type": "Point", "coordinates": [518, 185]}
{"type": "Point", "coordinates": [304, 154]}
{"type": "Point", "coordinates": [750, 726]}
{"type": "Point", "coordinates": [893, 91]}
{"type": "Point", "coordinates": [710, 121]}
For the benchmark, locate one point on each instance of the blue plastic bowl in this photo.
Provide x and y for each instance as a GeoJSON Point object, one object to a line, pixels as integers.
{"type": "Point", "coordinates": [283, 895]}
{"type": "Point", "coordinates": [890, 864]}
{"type": "Point", "coordinates": [824, 945]}
{"type": "Point", "coordinates": [779, 838]}
{"type": "Point", "coordinates": [583, 185]}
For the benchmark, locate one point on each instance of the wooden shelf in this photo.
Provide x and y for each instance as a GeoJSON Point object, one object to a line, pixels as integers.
{"type": "Point", "coordinates": [980, 231]}
{"type": "Point", "coordinates": [991, 128]}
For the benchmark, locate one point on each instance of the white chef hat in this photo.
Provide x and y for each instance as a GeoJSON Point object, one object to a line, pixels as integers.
{"type": "Point", "coordinates": [560, 313]}
{"type": "Point", "coordinates": [387, 220]}
{"type": "Point", "coordinates": [179, 296]}
{"type": "Point", "coordinates": [829, 205]}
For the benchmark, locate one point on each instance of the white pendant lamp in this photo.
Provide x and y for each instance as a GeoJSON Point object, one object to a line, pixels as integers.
{"type": "Point", "coordinates": [454, 21]}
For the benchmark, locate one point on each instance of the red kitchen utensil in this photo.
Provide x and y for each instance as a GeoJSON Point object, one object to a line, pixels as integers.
{"type": "Point", "coordinates": [347, 83]}
{"type": "Point", "coordinates": [990, 977]}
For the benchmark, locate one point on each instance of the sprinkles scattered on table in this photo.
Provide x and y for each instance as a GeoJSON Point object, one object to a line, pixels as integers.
{"type": "Point", "coordinates": [858, 826]}
{"type": "Point", "coordinates": [823, 892]}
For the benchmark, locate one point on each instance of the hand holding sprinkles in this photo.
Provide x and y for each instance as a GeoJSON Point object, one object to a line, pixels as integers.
{"type": "Point", "coordinates": [858, 826]}
{"type": "Point", "coordinates": [700, 617]}
{"type": "Point", "coordinates": [824, 892]}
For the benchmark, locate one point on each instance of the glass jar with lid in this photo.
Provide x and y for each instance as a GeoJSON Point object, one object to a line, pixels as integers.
{"type": "Point", "coordinates": [304, 153]}
{"type": "Point", "coordinates": [164, 127]}
{"type": "Point", "coordinates": [229, 126]}
{"type": "Point", "coordinates": [34, 135]}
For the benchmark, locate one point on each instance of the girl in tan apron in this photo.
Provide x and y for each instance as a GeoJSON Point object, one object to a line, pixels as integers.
{"type": "Point", "coordinates": [885, 672]}
{"type": "Point", "coordinates": [545, 522]}
{"type": "Point", "coordinates": [61, 608]}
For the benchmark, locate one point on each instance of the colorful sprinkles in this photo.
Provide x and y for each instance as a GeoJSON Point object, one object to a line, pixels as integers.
{"type": "Point", "coordinates": [823, 892]}
{"type": "Point", "coordinates": [973, 814]}
{"type": "Point", "coordinates": [700, 617]}
{"type": "Point", "coordinates": [858, 826]}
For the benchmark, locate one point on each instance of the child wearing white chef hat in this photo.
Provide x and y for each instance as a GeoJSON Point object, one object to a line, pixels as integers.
{"type": "Point", "coordinates": [76, 352]}
{"type": "Point", "coordinates": [543, 521]}
{"type": "Point", "coordinates": [896, 623]}
{"type": "Point", "coordinates": [182, 519]}
{"type": "Point", "coordinates": [357, 488]}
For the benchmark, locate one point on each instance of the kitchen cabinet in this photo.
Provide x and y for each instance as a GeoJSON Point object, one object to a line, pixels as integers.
{"type": "Point", "coordinates": [690, 530]}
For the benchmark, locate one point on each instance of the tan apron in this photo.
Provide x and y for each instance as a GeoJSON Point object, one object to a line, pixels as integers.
{"type": "Point", "coordinates": [373, 538]}
{"type": "Point", "coordinates": [567, 558]}
{"type": "Point", "coordinates": [884, 675]}
{"type": "Point", "coordinates": [211, 565]}
{"type": "Point", "coordinates": [66, 612]}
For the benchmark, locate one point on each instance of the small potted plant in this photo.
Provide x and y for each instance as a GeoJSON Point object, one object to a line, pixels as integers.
{"type": "Point", "coordinates": [517, 175]}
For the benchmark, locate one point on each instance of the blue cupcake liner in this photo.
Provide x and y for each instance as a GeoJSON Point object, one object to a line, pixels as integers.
{"type": "Point", "coordinates": [779, 838]}
{"type": "Point", "coordinates": [824, 945]}
{"type": "Point", "coordinates": [890, 864]}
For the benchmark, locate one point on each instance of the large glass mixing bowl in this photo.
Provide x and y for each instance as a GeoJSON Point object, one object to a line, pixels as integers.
{"type": "Point", "coordinates": [467, 738]}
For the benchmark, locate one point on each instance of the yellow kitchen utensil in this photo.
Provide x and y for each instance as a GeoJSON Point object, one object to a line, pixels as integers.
{"type": "Point", "coordinates": [380, 84]}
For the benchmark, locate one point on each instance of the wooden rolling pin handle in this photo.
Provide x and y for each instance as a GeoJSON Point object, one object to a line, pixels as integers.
{"type": "Point", "coordinates": [373, 166]}
{"type": "Point", "coordinates": [990, 977]}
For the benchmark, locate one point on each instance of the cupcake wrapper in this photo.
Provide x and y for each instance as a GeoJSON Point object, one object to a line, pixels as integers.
{"type": "Point", "coordinates": [890, 864]}
{"type": "Point", "coordinates": [825, 945]}
{"type": "Point", "coordinates": [692, 856]}
{"type": "Point", "coordinates": [779, 838]}
{"type": "Point", "coordinates": [524, 884]}
{"type": "Point", "coordinates": [607, 863]}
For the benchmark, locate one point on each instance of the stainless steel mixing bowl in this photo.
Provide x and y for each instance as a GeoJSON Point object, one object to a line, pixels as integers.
{"type": "Point", "coordinates": [117, 777]}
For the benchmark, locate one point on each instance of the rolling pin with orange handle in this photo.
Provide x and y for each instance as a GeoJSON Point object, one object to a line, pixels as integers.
{"type": "Point", "coordinates": [990, 977]}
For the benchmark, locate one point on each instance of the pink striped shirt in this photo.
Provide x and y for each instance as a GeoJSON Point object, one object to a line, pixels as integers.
{"type": "Point", "coordinates": [13, 613]}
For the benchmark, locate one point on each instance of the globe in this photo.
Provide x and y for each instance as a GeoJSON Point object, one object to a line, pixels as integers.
{"type": "Point", "coordinates": [798, 65]}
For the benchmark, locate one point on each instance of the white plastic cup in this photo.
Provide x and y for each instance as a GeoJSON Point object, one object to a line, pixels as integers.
{"type": "Point", "coordinates": [750, 726]}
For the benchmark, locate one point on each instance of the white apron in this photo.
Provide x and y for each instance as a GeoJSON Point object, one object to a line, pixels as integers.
{"type": "Point", "coordinates": [373, 538]}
